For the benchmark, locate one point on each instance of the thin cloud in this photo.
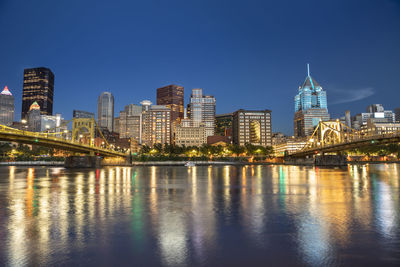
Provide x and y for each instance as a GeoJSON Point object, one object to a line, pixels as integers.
{"type": "Point", "coordinates": [346, 96]}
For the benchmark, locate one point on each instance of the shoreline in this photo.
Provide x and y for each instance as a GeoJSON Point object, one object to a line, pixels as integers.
{"type": "Point", "coordinates": [182, 163]}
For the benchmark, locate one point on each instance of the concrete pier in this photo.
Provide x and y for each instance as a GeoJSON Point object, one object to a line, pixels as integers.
{"type": "Point", "coordinates": [318, 160]}
{"type": "Point", "coordinates": [82, 162]}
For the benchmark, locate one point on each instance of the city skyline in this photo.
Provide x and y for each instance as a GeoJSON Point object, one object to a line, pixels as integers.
{"type": "Point", "coordinates": [256, 69]}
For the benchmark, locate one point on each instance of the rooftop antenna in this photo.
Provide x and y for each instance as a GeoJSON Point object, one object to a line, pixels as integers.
{"type": "Point", "coordinates": [308, 69]}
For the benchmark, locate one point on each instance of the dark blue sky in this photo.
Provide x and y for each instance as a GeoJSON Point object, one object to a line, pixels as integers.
{"type": "Point", "coordinates": [248, 54]}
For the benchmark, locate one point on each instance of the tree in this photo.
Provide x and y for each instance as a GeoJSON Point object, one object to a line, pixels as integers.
{"type": "Point", "coordinates": [236, 149]}
{"type": "Point", "coordinates": [144, 149]}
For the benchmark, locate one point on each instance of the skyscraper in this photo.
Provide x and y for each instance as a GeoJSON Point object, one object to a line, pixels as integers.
{"type": "Point", "coordinates": [156, 124]}
{"type": "Point", "coordinates": [38, 87]}
{"type": "Point", "coordinates": [201, 109]}
{"type": "Point", "coordinates": [105, 111]}
{"type": "Point", "coordinates": [6, 107]}
{"type": "Point", "coordinates": [172, 96]}
{"type": "Point", "coordinates": [310, 106]}
{"type": "Point", "coordinates": [33, 117]}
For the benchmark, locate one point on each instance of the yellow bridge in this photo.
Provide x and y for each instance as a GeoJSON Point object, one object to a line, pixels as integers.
{"type": "Point", "coordinates": [336, 137]}
{"type": "Point", "coordinates": [51, 140]}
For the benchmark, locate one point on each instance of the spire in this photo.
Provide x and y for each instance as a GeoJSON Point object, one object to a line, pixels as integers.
{"type": "Point", "coordinates": [6, 91]}
{"type": "Point", "coordinates": [34, 105]}
{"type": "Point", "coordinates": [308, 70]}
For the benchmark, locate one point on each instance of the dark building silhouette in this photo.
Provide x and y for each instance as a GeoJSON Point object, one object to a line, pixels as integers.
{"type": "Point", "coordinates": [172, 96]}
{"type": "Point", "coordinates": [38, 87]}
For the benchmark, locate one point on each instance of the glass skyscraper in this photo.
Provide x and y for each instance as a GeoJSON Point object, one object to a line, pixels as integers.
{"type": "Point", "coordinates": [201, 110]}
{"type": "Point", "coordinates": [310, 106]}
{"type": "Point", "coordinates": [6, 107]}
{"type": "Point", "coordinates": [105, 111]}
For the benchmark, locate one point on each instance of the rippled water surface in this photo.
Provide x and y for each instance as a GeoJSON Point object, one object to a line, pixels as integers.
{"type": "Point", "coordinates": [214, 216]}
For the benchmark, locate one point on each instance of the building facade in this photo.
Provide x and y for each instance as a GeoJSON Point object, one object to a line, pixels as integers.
{"type": "Point", "coordinates": [156, 124]}
{"type": "Point", "coordinates": [38, 87]}
{"type": "Point", "coordinates": [375, 113]}
{"type": "Point", "coordinates": [223, 123]}
{"type": "Point", "coordinates": [172, 96]}
{"type": "Point", "coordinates": [33, 118]}
{"type": "Point", "coordinates": [310, 106]}
{"type": "Point", "coordinates": [252, 127]}
{"type": "Point", "coordinates": [201, 109]}
{"type": "Point", "coordinates": [80, 114]}
{"type": "Point", "coordinates": [6, 107]}
{"type": "Point", "coordinates": [130, 121]}
{"type": "Point", "coordinates": [397, 114]}
{"type": "Point", "coordinates": [288, 146]}
{"type": "Point", "coordinates": [105, 111]}
{"type": "Point", "coordinates": [379, 128]}
{"type": "Point", "coordinates": [190, 135]}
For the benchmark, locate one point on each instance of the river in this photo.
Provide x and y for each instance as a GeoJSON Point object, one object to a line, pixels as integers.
{"type": "Point", "coordinates": [200, 216]}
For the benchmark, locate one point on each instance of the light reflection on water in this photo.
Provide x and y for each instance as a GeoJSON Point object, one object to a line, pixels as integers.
{"type": "Point", "coordinates": [203, 215]}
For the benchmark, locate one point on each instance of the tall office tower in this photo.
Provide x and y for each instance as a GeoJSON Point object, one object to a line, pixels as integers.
{"type": "Point", "coordinates": [252, 126]}
{"type": "Point", "coordinates": [156, 124]}
{"type": "Point", "coordinates": [172, 96]}
{"type": "Point", "coordinates": [347, 118]}
{"type": "Point", "coordinates": [310, 107]}
{"type": "Point", "coordinates": [6, 107]}
{"type": "Point", "coordinates": [130, 120]}
{"type": "Point", "coordinates": [201, 109]}
{"type": "Point", "coordinates": [34, 119]}
{"type": "Point", "coordinates": [105, 111]}
{"type": "Point", "coordinates": [38, 87]}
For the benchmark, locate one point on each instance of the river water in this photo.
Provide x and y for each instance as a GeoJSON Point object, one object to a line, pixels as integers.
{"type": "Point", "coordinates": [197, 216]}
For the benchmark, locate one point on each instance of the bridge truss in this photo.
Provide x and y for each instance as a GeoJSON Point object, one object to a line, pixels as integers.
{"type": "Point", "coordinates": [336, 137]}
{"type": "Point", "coordinates": [59, 140]}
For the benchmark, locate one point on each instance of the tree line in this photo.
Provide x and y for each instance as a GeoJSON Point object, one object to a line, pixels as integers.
{"type": "Point", "coordinates": [206, 150]}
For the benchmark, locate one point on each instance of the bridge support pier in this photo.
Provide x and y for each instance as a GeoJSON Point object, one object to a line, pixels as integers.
{"type": "Point", "coordinates": [82, 162]}
{"type": "Point", "coordinates": [330, 160]}
{"type": "Point", "coordinates": [318, 160]}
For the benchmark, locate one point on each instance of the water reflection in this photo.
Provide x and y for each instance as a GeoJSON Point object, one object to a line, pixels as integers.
{"type": "Point", "coordinates": [199, 215]}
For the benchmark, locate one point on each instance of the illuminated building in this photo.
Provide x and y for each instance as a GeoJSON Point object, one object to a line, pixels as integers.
{"type": "Point", "coordinates": [201, 109]}
{"type": "Point", "coordinates": [34, 117]}
{"type": "Point", "coordinates": [172, 96]}
{"type": "Point", "coordinates": [38, 87]}
{"type": "Point", "coordinates": [289, 145]}
{"type": "Point", "coordinates": [190, 135]}
{"type": "Point", "coordinates": [156, 124]}
{"type": "Point", "coordinates": [252, 126]}
{"type": "Point", "coordinates": [310, 107]}
{"type": "Point", "coordinates": [374, 127]}
{"type": "Point", "coordinates": [130, 120]}
{"type": "Point", "coordinates": [6, 107]}
{"type": "Point", "coordinates": [49, 123]}
{"type": "Point", "coordinates": [105, 111]}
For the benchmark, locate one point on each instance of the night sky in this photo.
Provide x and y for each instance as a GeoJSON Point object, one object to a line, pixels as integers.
{"type": "Point", "coordinates": [248, 54]}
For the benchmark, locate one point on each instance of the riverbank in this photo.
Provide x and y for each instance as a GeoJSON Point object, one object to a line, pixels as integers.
{"type": "Point", "coordinates": [33, 163]}
{"type": "Point", "coordinates": [182, 163]}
